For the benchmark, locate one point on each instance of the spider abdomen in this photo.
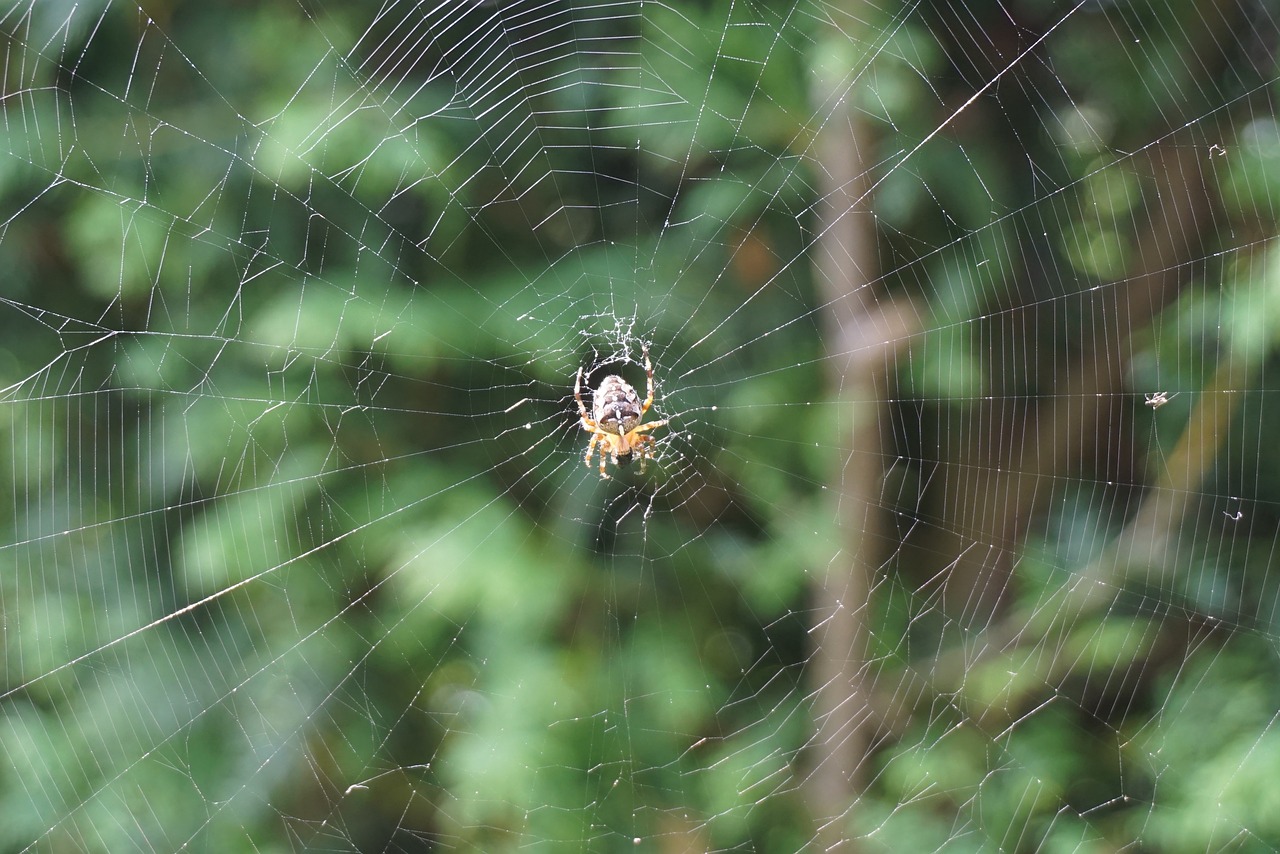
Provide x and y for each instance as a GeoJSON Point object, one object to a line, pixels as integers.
{"type": "Point", "coordinates": [616, 405]}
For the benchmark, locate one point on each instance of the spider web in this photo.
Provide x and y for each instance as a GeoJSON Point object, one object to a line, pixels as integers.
{"type": "Point", "coordinates": [959, 534]}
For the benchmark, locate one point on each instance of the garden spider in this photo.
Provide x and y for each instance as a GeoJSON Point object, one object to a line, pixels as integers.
{"type": "Point", "coordinates": [616, 427]}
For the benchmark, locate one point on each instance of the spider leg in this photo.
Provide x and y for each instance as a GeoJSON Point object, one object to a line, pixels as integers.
{"type": "Point", "coordinates": [648, 370]}
{"type": "Point", "coordinates": [582, 409]}
{"type": "Point", "coordinates": [649, 426]}
{"type": "Point", "coordinates": [642, 450]}
{"type": "Point", "coordinates": [591, 447]}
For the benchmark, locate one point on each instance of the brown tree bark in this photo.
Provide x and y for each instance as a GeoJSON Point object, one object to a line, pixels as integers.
{"type": "Point", "coordinates": [860, 333]}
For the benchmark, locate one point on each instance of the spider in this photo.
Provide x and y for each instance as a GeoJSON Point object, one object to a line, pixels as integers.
{"type": "Point", "coordinates": [617, 412]}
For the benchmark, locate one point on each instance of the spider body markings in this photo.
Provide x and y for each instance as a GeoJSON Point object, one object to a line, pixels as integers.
{"type": "Point", "coordinates": [616, 422]}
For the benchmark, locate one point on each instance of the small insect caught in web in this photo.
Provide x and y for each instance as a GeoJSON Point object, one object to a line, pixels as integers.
{"type": "Point", "coordinates": [1238, 514]}
{"type": "Point", "coordinates": [1157, 399]}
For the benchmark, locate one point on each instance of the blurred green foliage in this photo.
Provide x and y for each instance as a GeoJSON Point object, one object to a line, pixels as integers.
{"type": "Point", "coordinates": [299, 552]}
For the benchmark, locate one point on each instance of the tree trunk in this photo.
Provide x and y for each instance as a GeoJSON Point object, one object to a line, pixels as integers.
{"type": "Point", "coordinates": [859, 336]}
